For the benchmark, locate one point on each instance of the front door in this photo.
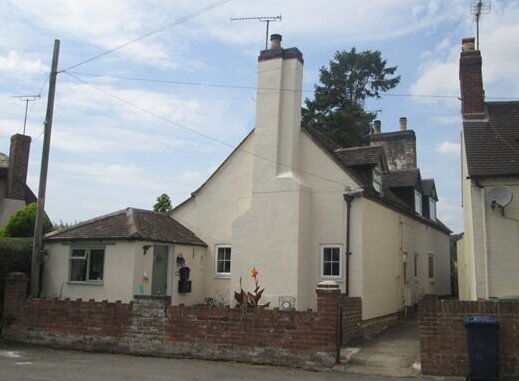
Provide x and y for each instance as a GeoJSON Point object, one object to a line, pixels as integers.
{"type": "Point", "coordinates": [159, 282]}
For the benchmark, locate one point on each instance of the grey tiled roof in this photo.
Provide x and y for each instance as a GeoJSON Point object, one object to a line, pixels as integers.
{"type": "Point", "coordinates": [403, 178]}
{"type": "Point", "coordinates": [492, 145]}
{"type": "Point", "coordinates": [429, 188]}
{"type": "Point", "coordinates": [368, 155]}
{"type": "Point", "coordinates": [129, 224]}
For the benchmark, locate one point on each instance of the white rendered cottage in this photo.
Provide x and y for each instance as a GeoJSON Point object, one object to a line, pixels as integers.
{"type": "Point", "coordinates": [295, 206]}
{"type": "Point", "coordinates": [279, 203]}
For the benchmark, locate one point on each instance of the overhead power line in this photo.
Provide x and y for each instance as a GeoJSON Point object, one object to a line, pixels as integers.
{"type": "Point", "coordinates": [178, 21]}
{"type": "Point", "coordinates": [245, 87]}
{"type": "Point", "coordinates": [194, 131]}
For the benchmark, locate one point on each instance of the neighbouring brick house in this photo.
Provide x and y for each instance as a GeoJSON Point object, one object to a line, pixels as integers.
{"type": "Point", "coordinates": [488, 254]}
{"type": "Point", "coordinates": [14, 192]}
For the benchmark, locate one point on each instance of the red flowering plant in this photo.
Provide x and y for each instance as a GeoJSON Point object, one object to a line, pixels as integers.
{"type": "Point", "coordinates": [247, 299]}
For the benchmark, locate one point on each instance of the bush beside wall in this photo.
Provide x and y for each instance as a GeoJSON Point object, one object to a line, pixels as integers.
{"type": "Point", "coordinates": [15, 255]}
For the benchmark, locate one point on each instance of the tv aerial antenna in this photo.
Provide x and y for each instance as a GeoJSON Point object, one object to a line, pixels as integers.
{"type": "Point", "coordinates": [26, 99]}
{"type": "Point", "coordinates": [266, 19]}
{"type": "Point", "coordinates": [479, 8]}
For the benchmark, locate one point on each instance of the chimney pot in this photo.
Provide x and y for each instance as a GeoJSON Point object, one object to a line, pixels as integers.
{"type": "Point", "coordinates": [403, 123]}
{"type": "Point", "coordinates": [275, 41]}
{"type": "Point", "coordinates": [468, 44]}
{"type": "Point", "coordinates": [377, 125]}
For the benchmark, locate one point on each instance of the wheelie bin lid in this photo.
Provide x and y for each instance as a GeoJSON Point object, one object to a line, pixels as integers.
{"type": "Point", "coordinates": [481, 320]}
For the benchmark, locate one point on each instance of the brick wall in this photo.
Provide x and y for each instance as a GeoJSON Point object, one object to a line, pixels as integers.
{"type": "Point", "coordinates": [351, 318]}
{"type": "Point", "coordinates": [443, 340]}
{"type": "Point", "coordinates": [152, 326]}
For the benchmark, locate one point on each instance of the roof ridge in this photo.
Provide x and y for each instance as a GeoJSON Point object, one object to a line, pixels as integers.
{"type": "Point", "coordinates": [84, 223]}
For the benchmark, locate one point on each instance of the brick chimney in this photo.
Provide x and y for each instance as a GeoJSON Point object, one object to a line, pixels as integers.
{"type": "Point", "coordinates": [471, 81]}
{"type": "Point", "coordinates": [18, 166]}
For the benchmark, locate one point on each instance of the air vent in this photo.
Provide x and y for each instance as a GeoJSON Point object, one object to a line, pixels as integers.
{"type": "Point", "coordinates": [287, 303]}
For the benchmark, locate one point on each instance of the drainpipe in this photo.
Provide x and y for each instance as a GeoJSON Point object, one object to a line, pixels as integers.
{"type": "Point", "coordinates": [348, 198]}
{"type": "Point", "coordinates": [485, 237]}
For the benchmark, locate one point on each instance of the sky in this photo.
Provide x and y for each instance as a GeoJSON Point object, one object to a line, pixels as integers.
{"type": "Point", "coordinates": [107, 155]}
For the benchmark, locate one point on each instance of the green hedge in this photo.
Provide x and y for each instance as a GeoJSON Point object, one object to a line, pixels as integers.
{"type": "Point", "coordinates": [15, 255]}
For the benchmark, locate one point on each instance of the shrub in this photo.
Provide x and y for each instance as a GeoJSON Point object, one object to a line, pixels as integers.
{"type": "Point", "coordinates": [21, 223]}
{"type": "Point", "coordinates": [15, 255]}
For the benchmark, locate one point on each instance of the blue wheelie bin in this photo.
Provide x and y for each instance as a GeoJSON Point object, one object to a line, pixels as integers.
{"type": "Point", "coordinates": [483, 347]}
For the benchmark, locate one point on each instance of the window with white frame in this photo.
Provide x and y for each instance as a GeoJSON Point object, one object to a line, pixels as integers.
{"type": "Point", "coordinates": [86, 264]}
{"type": "Point", "coordinates": [417, 202]}
{"type": "Point", "coordinates": [416, 266]}
{"type": "Point", "coordinates": [377, 179]}
{"type": "Point", "coordinates": [331, 261]}
{"type": "Point", "coordinates": [223, 260]}
{"type": "Point", "coordinates": [432, 209]}
{"type": "Point", "coordinates": [431, 266]}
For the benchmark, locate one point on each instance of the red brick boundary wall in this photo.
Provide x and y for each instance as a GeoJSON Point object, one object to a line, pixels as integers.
{"type": "Point", "coordinates": [351, 318]}
{"type": "Point", "coordinates": [151, 326]}
{"type": "Point", "coordinates": [443, 340]}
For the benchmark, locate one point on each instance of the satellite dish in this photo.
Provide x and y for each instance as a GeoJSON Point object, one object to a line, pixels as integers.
{"type": "Point", "coordinates": [499, 196]}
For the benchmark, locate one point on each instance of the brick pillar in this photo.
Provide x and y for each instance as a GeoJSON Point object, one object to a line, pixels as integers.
{"type": "Point", "coordinates": [15, 293]}
{"type": "Point", "coordinates": [328, 299]}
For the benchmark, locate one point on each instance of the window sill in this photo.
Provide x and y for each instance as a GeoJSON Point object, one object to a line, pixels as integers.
{"type": "Point", "coordinates": [222, 276]}
{"type": "Point", "coordinates": [432, 281]}
{"type": "Point", "coordinates": [338, 280]}
{"type": "Point", "coordinates": [89, 283]}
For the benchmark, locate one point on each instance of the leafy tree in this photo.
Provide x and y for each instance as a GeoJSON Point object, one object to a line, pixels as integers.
{"type": "Point", "coordinates": [21, 223]}
{"type": "Point", "coordinates": [163, 204]}
{"type": "Point", "coordinates": [337, 109]}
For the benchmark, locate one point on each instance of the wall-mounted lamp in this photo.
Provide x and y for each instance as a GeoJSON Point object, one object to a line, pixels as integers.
{"type": "Point", "coordinates": [145, 248]}
{"type": "Point", "coordinates": [180, 260]}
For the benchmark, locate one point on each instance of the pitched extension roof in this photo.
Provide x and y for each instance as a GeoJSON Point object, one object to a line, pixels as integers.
{"type": "Point", "coordinates": [129, 224]}
{"type": "Point", "coordinates": [366, 155]}
{"type": "Point", "coordinates": [404, 178]}
{"type": "Point", "coordinates": [429, 188]}
{"type": "Point", "coordinates": [492, 145]}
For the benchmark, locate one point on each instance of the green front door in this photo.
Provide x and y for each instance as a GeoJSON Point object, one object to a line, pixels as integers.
{"type": "Point", "coordinates": [159, 282]}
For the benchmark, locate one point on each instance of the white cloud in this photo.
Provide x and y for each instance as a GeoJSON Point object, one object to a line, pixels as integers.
{"type": "Point", "coordinates": [500, 52]}
{"type": "Point", "coordinates": [15, 64]}
{"type": "Point", "coordinates": [448, 148]}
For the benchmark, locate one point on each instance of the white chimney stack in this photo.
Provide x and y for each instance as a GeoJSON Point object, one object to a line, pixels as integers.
{"type": "Point", "coordinates": [278, 108]}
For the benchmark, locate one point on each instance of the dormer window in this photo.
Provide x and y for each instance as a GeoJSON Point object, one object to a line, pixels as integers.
{"type": "Point", "coordinates": [432, 209]}
{"type": "Point", "coordinates": [418, 202]}
{"type": "Point", "coordinates": [377, 180]}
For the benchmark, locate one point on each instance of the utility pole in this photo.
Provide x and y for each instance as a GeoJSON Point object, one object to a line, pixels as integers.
{"type": "Point", "coordinates": [265, 19]}
{"type": "Point", "coordinates": [479, 8]}
{"type": "Point", "coordinates": [40, 212]}
{"type": "Point", "coordinates": [26, 99]}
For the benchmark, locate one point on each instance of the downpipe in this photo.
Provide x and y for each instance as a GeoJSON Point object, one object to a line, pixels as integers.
{"type": "Point", "coordinates": [348, 198]}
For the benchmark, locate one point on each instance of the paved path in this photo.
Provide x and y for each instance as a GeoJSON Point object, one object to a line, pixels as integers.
{"type": "Point", "coordinates": [29, 363]}
{"type": "Point", "coordinates": [395, 352]}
